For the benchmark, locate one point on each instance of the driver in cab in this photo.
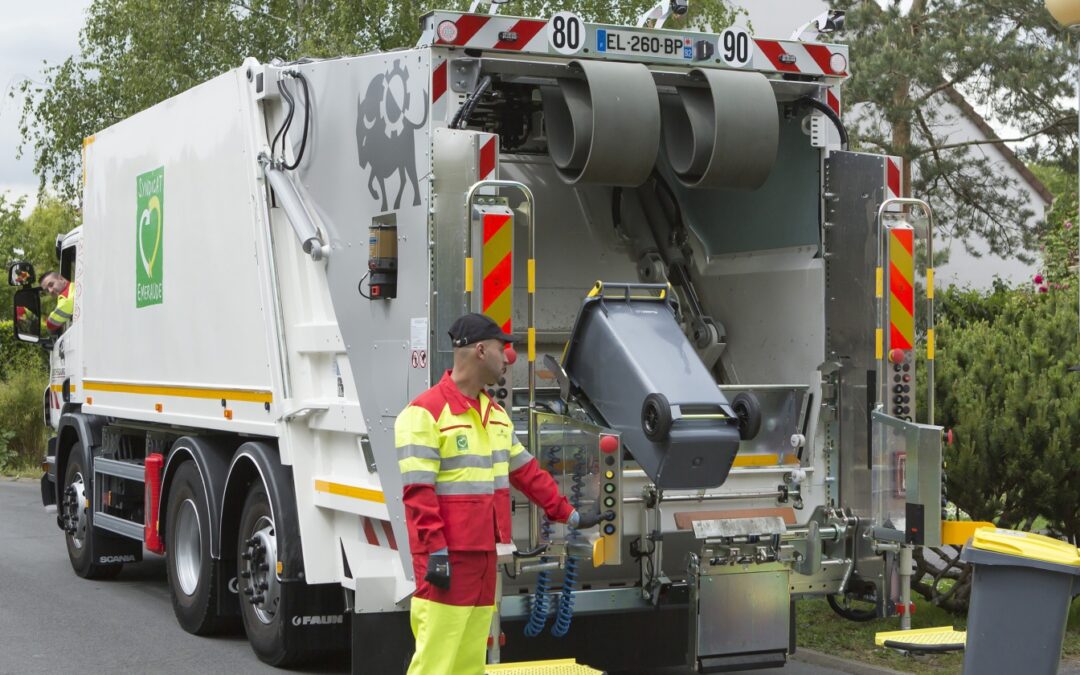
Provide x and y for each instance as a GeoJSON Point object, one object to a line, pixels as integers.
{"type": "Point", "coordinates": [64, 292]}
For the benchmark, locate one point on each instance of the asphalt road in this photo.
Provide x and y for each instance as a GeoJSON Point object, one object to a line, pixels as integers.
{"type": "Point", "coordinates": [52, 621]}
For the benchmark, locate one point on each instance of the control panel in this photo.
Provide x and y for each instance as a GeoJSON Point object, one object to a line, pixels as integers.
{"type": "Point", "coordinates": [585, 461]}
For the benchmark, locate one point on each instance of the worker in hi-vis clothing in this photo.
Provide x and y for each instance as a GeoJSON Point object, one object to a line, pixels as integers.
{"type": "Point", "coordinates": [458, 457]}
{"type": "Point", "coordinates": [64, 292]}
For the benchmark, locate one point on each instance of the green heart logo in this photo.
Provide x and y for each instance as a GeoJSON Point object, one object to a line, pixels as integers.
{"type": "Point", "coordinates": [150, 224]}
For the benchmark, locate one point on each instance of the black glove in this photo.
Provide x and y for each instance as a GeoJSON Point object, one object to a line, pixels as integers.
{"type": "Point", "coordinates": [438, 570]}
{"type": "Point", "coordinates": [587, 519]}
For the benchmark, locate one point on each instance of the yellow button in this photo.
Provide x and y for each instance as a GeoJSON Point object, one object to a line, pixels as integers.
{"type": "Point", "coordinates": [609, 474]}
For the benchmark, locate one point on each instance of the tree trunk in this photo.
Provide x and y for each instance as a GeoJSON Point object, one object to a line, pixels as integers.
{"type": "Point", "coordinates": [901, 126]}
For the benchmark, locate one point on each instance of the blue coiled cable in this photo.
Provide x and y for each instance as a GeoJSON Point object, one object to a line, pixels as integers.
{"type": "Point", "coordinates": [541, 602]}
{"type": "Point", "coordinates": [565, 613]}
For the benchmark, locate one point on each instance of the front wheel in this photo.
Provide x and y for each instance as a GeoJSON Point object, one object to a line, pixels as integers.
{"type": "Point", "coordinates": [76, 519]}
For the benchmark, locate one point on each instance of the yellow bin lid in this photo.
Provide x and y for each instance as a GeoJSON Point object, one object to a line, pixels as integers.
{"type": "Point", "coordinates": [1026, 545]}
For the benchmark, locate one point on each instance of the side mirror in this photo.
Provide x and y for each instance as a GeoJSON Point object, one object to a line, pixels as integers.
{"type": "Point", "coordinates": [28, 315]}
{"type": "Point", "coordinates": [21, 274]}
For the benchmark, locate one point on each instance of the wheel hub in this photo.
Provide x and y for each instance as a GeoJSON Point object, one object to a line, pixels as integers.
{"type": "Point", "coordinates": [74, 511]}
{"type": "Point", "coordinates": [188, 547]}
{"type": "Point", "coordinates": [258, 573]}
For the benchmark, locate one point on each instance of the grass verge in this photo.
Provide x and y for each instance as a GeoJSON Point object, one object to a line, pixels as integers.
{"type": "Point", "coordinates": [820, 629]}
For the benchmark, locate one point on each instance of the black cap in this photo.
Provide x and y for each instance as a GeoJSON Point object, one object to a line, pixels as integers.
{"type": "Point", "coordinates": [473, 328]}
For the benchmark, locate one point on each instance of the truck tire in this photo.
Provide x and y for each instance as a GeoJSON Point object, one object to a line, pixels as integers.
{"type": "Point", "coordinates": [76, 516]}
{"type": "Point", "coordinates": [187, 553]}
{"type": "Point", "coordinates": [264, 599]}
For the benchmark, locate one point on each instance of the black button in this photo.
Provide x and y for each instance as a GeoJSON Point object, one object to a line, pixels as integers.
{"type": "Point", "coordinates": [897, 367]}
{"type": "Point", "coordinates": [609, 460]}
{"type": "Point", "coordinates": [502, 381]}
{"type": "Point", "coordinates": [898, 388]}
{"type": "Point", "coordinates": [501, 393]}
{"type": "Point", "coordinates": [896, 378]}
{"type": "Point", "coordinates": [491, 393]}
{"type": "Point", "coordinates": [907, 367]}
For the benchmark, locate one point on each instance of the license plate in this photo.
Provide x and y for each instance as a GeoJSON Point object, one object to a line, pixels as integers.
{"type": "Point", "coordinates": [609, 41]}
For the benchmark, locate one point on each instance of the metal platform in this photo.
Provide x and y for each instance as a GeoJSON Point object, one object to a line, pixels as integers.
{"type": "Point", "coordinates": [552, 667]}
{"type": "Point", "coordinates": [940, 639]}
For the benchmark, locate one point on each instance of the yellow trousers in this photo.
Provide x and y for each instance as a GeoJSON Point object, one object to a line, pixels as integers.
{"type": "Point", "coordinates": [450, 639]}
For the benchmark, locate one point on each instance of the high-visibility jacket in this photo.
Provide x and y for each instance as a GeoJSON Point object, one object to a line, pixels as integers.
{"type": "Point", "coordinates": [458, 458]}
{"type": "Point", "coordinates": [65, 308]}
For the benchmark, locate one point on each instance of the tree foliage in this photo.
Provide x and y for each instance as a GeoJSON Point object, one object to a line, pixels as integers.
{"type": "Point", "coordinates": [135, 53]}
{"type": "Point", "coordinates": [913, 67]}
{"type": "Point", "coordinates": [1005, 387]}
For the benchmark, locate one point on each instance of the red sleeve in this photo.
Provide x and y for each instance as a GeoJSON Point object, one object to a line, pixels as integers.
{"type": "Point", "coordinates": [422, 513]}
{"type": "Point", "coordinates": [541, 489]}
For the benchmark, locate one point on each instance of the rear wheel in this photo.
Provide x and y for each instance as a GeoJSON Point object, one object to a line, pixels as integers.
{"type": "Point", "coordinates": [748, 410]}
{"type": "Point", "coordinates": [76, 519]}
{"type": "Point", "coordinates": [262, 595]}
{"type": "Point", "coordinates": [187, 553]}
{"type": "Point", "coordinates": [656, 417]}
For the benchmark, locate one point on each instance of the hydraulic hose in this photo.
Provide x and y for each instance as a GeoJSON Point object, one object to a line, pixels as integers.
{"type": "Point", "coordinates": [833, 117]}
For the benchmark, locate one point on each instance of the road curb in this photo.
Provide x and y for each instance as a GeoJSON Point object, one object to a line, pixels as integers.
{"type": "Point", "coordinates": [816, 658]}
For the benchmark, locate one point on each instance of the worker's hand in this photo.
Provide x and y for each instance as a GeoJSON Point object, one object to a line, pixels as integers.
{"type": "Point", "coordinates": [583, 521]}
{"type": "Point", "coordinates": [438, 569]}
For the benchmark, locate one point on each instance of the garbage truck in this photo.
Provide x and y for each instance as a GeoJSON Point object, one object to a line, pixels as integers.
{"type": "Point", "coordinates": [714, 299]}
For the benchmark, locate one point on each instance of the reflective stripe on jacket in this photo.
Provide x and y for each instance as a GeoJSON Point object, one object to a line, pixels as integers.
{"type": "Point", "coordinates": [65, 308]}
{"type": "Point", "coordinates": [458, 458]}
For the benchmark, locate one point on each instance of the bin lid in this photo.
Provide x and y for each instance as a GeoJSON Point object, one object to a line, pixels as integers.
{"type": "Point", "coordinates": [1026, 545]}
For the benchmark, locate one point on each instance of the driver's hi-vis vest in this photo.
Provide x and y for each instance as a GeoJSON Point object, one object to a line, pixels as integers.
{"type": "Point", "coordinates": [65, 308]}
{"type": "Point", "coordinates": [458, 458]}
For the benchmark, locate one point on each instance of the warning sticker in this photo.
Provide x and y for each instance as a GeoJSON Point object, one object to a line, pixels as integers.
{"type": "Point", "coordinates": [418, 334]}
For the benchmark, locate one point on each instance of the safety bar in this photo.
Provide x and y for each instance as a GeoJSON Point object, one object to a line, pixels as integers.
{"type": "Point", "coordinates": [884, 306]}
{"type": "Point", "coordinates": [527, 193]}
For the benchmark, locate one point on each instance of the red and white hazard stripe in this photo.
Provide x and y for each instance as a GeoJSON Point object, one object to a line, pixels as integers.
{"type": "Point", "coordinates": [800, 57]}
{"type": "Point", "coordinates": [378, 532]}
{"type": "Point", "coordinates": [495, 32]}
{"type": "Point", "coordinates": [488, 159]}
{"type": "Point", "coordinates": [894, 187]}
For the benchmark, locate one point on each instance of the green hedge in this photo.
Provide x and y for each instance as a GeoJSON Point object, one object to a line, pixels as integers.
{"type": "Point", "coordinates": [24, 374]}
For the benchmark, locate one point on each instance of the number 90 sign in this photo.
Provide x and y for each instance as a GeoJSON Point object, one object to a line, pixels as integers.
{"type": "Point", "coordinates": [566, 33]}
{"type": "Point", "coordinates": [734, 47]}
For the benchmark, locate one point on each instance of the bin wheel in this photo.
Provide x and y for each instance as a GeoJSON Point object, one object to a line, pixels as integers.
{"type": "Point", "coordinates": [748, 410]}
{"type": "Point", "coordinates": [656, 417]}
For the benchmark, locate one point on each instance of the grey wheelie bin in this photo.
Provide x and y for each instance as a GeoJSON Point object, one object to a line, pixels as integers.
{"type": "Point", "coordinates": [629, 361]}
{"type": "Point", "coordinates": [1023, 584]}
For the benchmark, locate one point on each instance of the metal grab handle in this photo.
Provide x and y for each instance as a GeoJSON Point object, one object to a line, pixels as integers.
{"type": "Point", "coordinates": [908, 201]}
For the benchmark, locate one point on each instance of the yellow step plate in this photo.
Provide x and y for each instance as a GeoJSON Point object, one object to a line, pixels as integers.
{"type": "Point", "coordinates": [554, 667]}
{"type": "Point", "coordinates": [941, 639]}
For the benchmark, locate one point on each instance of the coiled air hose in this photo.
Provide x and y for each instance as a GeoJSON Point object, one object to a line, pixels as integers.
{"type": "Point", "coordinates": [565, 612]}
{"type": "Point", "coordinates": [541, 602]}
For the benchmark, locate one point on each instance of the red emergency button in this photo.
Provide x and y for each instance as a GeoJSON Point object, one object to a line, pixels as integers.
{"type": "Point", "coordinates": [896, 355]}
{"type": "Point", "coordinates": [511, 355]}
{"type": "Point", "coordinates": [609, 443]}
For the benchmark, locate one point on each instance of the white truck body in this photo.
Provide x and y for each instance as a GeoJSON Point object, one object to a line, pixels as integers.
{"type": "Point", "coordinates": [200, 316]}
